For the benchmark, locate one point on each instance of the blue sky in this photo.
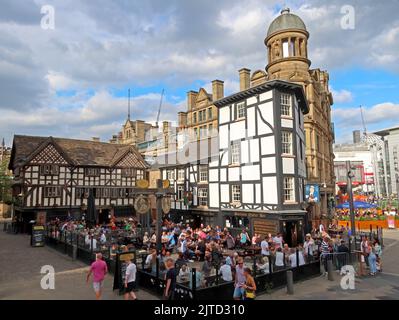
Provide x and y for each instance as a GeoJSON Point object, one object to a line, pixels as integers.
{"type": "Point", "coordinates": [73, 81]}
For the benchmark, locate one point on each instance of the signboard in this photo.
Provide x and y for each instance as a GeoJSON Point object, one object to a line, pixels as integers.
{"type": "Point", "coordinates": [41, 218]}
{"type": "Point", "coordinates": [312, 193]}
{"type": "Point", "coordinates": [391, 220]}
{"type": "Point", "coordinates": [264, 227]}
{"type": "Point", "coordinates": [166, 204]}
{"type": "Point", "coordinates": [121, 263]}
{"type": "Point", "coordinates": [141, 204]}
{"type": "Point", "coordinates": [143, 184]}
{"type": "Point", "coordinates": [166, 184]}
{"type": "Point", "coordinates": [38, 236]}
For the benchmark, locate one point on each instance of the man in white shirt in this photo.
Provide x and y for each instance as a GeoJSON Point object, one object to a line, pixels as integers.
{"type": "Point", "coordinates": [225, 271]}
{"type": "Point", "coordinates": [279, 262]}
{"type": "Point", "coordinates": [278, 240]}
{"type": "Point", "coordinates": [308, 247]}
{"type": "Point", "coordinates": [103, 238]}
{"type": "Point", "coordinates": [92, 241]}
{"type": "Point", "coordinates": [184, 273]}
{"type": "Point", "coordinates": [130, 281]}
{"type": "Point", "coordinates": [293, 260]}
{"type": "Point", "coordinates": [265, 247]}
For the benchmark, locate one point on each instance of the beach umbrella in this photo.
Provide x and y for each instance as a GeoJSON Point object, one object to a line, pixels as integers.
{"type": "Point", "coordinates": [357, 205]}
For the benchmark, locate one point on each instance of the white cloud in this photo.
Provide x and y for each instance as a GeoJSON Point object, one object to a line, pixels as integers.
{"type": "Point", "coordinates": [238, 21]}
{"type": "Point", "coordinates": [99, 115]}
{"type": "Point", "coordinates": [101, 45]}
{"type": "Point", "coordinates": [342, 96]}
{"type": "Point", "coordinates": [380, 115]}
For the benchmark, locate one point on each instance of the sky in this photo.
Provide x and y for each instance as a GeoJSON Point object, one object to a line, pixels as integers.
{"type": "Point", "coordinates": [72, 80]}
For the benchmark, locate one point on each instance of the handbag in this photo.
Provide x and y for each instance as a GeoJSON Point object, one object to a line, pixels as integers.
{"type": "Point", "coordinates": [250, 294]}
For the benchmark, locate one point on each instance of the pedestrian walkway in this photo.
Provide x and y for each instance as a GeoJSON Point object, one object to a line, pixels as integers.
{"type": "Point", "coordinates": [20, 276]}
{"type": "Point", "coordinates": [383, 286]}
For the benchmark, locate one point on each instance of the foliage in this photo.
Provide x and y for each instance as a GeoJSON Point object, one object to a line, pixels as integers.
{"type": "Point", "coordinates": [5, 183]}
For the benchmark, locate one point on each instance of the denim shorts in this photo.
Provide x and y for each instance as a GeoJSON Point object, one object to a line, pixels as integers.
{"type": "Point", "coordinates": [97, 286]}
{"type": "Point", "coordinates": [239, 293]}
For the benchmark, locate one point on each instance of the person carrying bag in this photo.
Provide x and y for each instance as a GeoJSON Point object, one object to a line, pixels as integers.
{"type": "Point", "coordinates": [249, 286]}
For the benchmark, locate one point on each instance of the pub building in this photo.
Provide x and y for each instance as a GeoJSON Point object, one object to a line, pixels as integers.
{"type": "Point", "coordinates": [256, 178]}
{"type": "Point", "coordinates": [53, 178]}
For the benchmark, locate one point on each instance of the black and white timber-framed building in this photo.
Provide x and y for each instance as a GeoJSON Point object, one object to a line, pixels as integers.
{"type": "Point", "coordinates": [52, 176]}
{"type": "Point", "coordinates": [256, 178]}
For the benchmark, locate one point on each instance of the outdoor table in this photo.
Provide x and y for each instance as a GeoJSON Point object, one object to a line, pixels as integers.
{"type": "Point", "coordinates": [250, 251]}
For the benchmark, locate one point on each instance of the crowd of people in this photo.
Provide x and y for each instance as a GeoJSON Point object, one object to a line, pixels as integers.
{"type": "Point", "coordinates": [216, 253]}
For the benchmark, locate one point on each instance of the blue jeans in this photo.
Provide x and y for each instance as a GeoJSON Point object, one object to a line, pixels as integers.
{"type": "Point", "coordinates": [239, 293]}
{"type": "Point", "coordinates": [372, 262]}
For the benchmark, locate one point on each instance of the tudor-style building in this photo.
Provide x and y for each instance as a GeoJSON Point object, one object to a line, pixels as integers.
{"type": "Point", "coordinates": [53, 176]}
{"type": "Point", "coordinates": [188, 172]}
{"type": "Point", "coordinates": [256, 178]}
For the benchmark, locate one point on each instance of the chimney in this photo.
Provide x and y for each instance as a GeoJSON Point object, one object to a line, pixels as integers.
{"type": "Point", "coordinates": [182, 119]}
{"type": "Point", "coordinates": [95, 139]}
{"type": "Point", "coordinates": [245, 78]}
{"type": "Point", "coordinates": [191, 98]}
{"type": "Point", "coordinates": [356, 136]}
{"type": "Point", "coordinates": [165, 126]}
{"type": "Point", "coordinates": [217, 89]}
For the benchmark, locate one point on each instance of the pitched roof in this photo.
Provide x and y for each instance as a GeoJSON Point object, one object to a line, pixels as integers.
{"type": "Point", "coordinates": [79, 152]}
{"type": "Point", "coordinates": [281, 84]}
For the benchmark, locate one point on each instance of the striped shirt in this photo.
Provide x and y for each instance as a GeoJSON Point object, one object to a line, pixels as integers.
{"type": "Point", "coordinates": [325, 248]}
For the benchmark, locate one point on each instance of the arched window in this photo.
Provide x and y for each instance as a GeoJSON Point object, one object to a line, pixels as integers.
{"type": "Point", "coordinates": [286, 51]}
{"type": "Point", "coordinates": [292, 48]}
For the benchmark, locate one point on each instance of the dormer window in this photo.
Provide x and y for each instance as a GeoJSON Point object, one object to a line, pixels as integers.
{"type": "Point", "coordinates": [49, 169]}
{"type": "Point", "coordinates": [92, 172]}
{"type": "Point", "coordinates": [128, 172]}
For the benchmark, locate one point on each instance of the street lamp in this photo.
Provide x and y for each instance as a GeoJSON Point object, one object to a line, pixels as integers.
{"type": "Point", "coordinates": [350, 176]}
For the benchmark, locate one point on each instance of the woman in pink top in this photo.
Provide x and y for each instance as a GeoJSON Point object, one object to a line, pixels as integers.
{"type": "Point", "coordinates": [99, 269]}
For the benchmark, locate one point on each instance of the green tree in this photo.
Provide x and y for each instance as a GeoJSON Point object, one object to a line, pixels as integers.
{"type": "Point", "coordinates": [5, 183]}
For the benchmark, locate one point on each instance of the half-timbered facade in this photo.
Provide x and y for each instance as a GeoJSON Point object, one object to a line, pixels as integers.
{"type": "Point", "coordinates": [188, 173]}
{"type": "Point", "coordinates": [54, 176]}
{"type": "Point", "coordinates": [256, 179]}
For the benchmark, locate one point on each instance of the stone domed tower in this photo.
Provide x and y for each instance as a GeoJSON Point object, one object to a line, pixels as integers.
{"type": "Point", "coordinates": [286, 41]}
{"type": "Point", "coordinates": [287, 44]}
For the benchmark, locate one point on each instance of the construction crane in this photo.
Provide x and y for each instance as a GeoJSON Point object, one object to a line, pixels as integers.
{"type": "Point", "coordinates": [363, 122]}
{"type": "Point", "coordinates": [160, 106]}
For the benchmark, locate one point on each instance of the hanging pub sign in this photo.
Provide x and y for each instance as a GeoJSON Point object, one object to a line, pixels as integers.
{"type": "Point", "coordinates": [37, 237]}
{"type": "Point", "coordinates": [165, 184]}
{"type": "Point", "coordinates": [166, 204]}
{"type": "Point", "coordinates": [41, 218]}
{"type": "Point", "coordinates": [121, 263]}
{"type": "Point", "coordinates": [312, 193]}
{"type": "Point", "coordinates": [188, 198]}
{"type": "Point", "coordinates": [142, 184]}
{"type": "Point", "coordinates": [141, 204]}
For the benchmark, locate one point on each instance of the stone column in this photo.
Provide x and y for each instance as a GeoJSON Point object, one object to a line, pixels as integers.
{"type": "Point", "coordinates": [297, 47]}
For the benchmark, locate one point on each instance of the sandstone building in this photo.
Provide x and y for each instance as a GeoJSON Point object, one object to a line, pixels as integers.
{"type": "Point", "coordinates": [287, 46]}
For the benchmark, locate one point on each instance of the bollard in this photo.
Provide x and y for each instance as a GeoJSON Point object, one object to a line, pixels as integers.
{"type": "Point", "coordinates": [330, 270]}
{"type": "Point", "coordinates": [290, 282]}
{"type": "Point", "coordinates": [74, 251]}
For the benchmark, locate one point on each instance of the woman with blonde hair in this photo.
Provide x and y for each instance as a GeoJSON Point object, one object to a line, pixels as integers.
{"type": "Point", "coordinates": [249, 286]}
